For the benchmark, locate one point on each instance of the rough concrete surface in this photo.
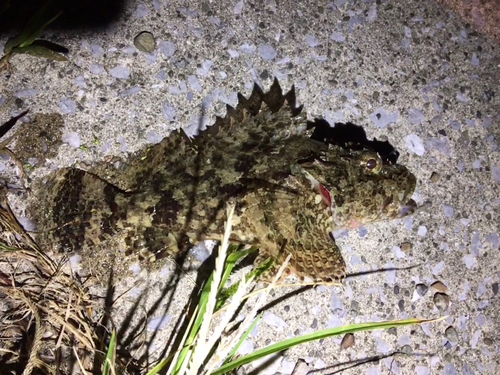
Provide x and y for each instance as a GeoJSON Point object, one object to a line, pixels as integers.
{"type": "Point", "coordinates": [411, 72]}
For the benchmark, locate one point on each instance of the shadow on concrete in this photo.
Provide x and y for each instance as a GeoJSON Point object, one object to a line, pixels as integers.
{"type": "Point", "coordinates": [76, 15]}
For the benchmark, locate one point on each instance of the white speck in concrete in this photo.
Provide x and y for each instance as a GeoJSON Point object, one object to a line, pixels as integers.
{"type": "Point", "coordinates": [238, 7]}
{"type": "Point", "coordinates": [96, 50]}
{"type": "Point", "coordinates": [135, 268]}
{"type": "Point", "coordinates": [447, 210]}
{"type": "Point", "coordinates": [267, 52]}
{"type": "Point", "coordinates": [381, 118]}
{"type": "Point", "coordinates": [337, 37]}
{"type": "Point", "coordinates": [194, 83]}
{"type": "Point", "coordinates": [168, 111]}
{"type": "Point", "coordinates": [495, 173]}
{"type": "Point", "coordinates": [415, 144]}
{"type": "Point", "coordinates": [27, 93]}
{"type": "Point", "coordinates": [311, 40]}
{"type": "Point", "coordinates": [204, 68]}
{"type": "Point", "coordinates": [422, 370]}
{"type": "Point", "coordinates": [462, 98]}
{"type": "Point", "coordinates": [27, 224]}
{"type": "Point", "coordinates": [469, 260]}
{"type": "Point", "coordinates": [167, 48]}
{"type": "Point", "coordinates": [141, 10]}
{"type": "Point", "coordinates": [120, 72]}
{"type": "Point", "coordinates": [158, 322]}
{"type": "Point", "coordinates": [415, 116]}
{"type": "Point", "coordinates": [80, 81]}
{"type": "Point", "coordinates": [248, 48]}
{"type": "Point", "coordinates": [96, 68]}
{"type": "Point", "coordinates": [130, 91]}
{"type": "Point", "coordinates": [246, 347]}
{"type": "Point", "coordinates": [372, 13]}
{"type": "Point", "coordinates": [437, 268]}
{"type": "Point", "coordinates": [274, 321]}
{"type": "Point", "coordinates": [72, 139]}
{"type": "Point", "coordinates": [422, 230]}
{"type": "Point", "coordinates": [233, 53]}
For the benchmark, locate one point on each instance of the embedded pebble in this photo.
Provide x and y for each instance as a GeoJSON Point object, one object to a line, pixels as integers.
{"type": "Point", "coordinates": [442, 301]}
{"type": "Point", "coordinates": [347, 341]}
{"type": "Point", "coordinates": [407, 349]}
{"type": "Point", "coordinates": [438, 285]}
{"type": "Point", "coordinates": [421, 289]}
{"type": "Point", "coordinates": [406, 247]}
{"type": "Point", "coordinates": [145, 42]}
{"type": "Point", "coordinates": [488, 341]}
{"type": "Point", "coordinates": [434, 177]}
{"type": "Point", "coordinates": [302, 368]}
{"type": "Point", "coordinates": [451, 334]}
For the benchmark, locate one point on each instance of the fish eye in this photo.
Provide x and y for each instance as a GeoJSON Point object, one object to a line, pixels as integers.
{"type": "Point", "coordinates": [371, 162]}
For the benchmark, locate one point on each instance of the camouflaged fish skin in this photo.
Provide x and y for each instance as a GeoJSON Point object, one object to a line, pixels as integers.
{"type": "Point", "coordinates": [290, 192]}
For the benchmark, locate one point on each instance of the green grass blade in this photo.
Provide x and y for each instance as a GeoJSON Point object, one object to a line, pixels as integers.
{"type": "Point", "coordinates": [40, 51]}
{"type": "Point", "coordinates": [255, 272]}
{"type": "Point", "coordinates": [110, 355]}
{"type": "Point", "coordinates": [232, 258]}
{"type": "Point", "coordinates": [36, 24]}
{"type": "Point", "coordinates": [285, 344]}
{"type": "Point", "coordinates": [242, 338]}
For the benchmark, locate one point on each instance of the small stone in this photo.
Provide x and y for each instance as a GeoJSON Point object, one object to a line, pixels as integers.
{"type": "Point", "coordinates": [451, 334]}
{"type": "Point", "coordinates": [145, 42]}
{"type": "Point", "coordinates": [301, 368]}
{"type": "Point", "coordinates": [494, 288]}
{"type": "Point", "coordinates": [407, 349]}
{"type": "Point", "coordinates": [434, 177]}
{"type": "Point", "coordinates": [442, 301]}
{"type": "Point", "coordinates": [405, 247]}
{"type": "Point", "coordinates": [421, 289]}
{"type": "Point", "coordinates": [488, 341]}
{"type": "Point", "coordinates": [347, 341]}
{"type": "Point", "coordinates": [438, 285]}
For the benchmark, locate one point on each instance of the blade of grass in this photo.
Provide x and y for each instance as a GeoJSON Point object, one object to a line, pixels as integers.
{"type": "Point", "coordinates": [285, 344]}
{"type": "Point", "coordinates": [110, 355]}
{"type": "Point", "coordinates": [36, 24]}
{"type": "Point", "coordinates": [242, 338]}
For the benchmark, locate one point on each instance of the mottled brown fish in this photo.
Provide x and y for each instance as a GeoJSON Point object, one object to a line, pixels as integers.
{"type": "Point", "coordinates": [290, 191]}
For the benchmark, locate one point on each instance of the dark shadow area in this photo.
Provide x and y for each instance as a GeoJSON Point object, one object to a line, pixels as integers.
{"type": "Point", "coordinates": [76, 15]}
{"type": "Point", "coordinates": [351, 136]}
{"type": "Point", "coordinates": [341, 367]}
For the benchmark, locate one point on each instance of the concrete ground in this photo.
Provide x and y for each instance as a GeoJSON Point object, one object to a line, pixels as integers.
{"type": "Point", "coordinates": [411, 72]}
